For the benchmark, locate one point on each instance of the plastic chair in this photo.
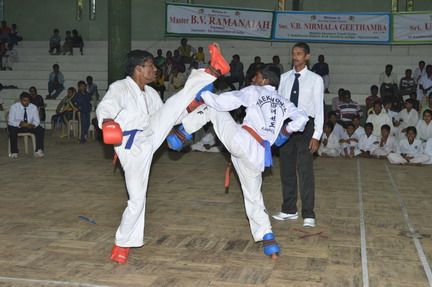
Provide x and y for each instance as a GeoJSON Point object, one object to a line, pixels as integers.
{"type": "Point", "coordinates": [74, 126]}
{"type": "Point", "coordinates": [26, 137]}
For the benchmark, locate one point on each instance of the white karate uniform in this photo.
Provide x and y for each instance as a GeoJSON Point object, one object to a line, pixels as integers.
{"type": "Point", "coordinates": [368, 143]}
{"type": "Point", "coordinates": [408, 119]}
{"type": "Point", "coordinates": [378, 121]}
{"type": "Point", "coordinates": [426, 82]}
{"type": "Point", "coordinates": [338, 130]}
{"type": "Point", "coordinates": [424, 131]}
{"type": "Point", "coordinates": [388, 147]}
{"type": "Point", "coordinates": [428, 151]}
{"type": "Point", "coordinates": [332, 148]}
{"type": "Point", "coordinates": [133, 108]}
{"type": "Point", "coordinates": [359, 132]}
{"type": "Point", "coordinates": [353, 144]}
{"type": "Point", "coordinates": [415, 150]}
{"type": "Point", "coordinates": [265, 114]}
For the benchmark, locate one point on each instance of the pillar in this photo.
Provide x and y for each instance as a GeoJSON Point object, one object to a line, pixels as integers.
{"type": "Point", "coordinates": [119, 37]}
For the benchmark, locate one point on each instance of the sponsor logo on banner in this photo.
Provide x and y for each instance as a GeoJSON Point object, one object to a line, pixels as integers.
{"type": "Point", "coordinates": [333, 27]}
{"type": "Point", "coordinates": [412, 28]}
{"type": "Point", "coordinates": [213, 21]}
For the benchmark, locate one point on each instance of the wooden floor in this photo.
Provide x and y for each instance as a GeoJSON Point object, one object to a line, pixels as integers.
{"type": "Point", "coordinates": [196, 235]}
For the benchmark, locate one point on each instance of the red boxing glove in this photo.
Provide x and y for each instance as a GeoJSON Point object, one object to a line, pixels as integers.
{"type": "Point", "coordinates": [112, 133]}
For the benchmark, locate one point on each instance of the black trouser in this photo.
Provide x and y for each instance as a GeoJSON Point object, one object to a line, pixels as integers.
{"type": "Point", "coordinates": [13, 137]}
{"type": "Point", "coordinates": [296, 157]}
{"type": "Point", "coordinates": [231, 80]}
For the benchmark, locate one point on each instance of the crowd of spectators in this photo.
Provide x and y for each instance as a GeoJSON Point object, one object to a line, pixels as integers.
{"type": "Point", "coordinates": [72, 40]}
{"type": "Point", "coordinates": [9, 38]}
{"type": "Point", "coordinates": [397, 121]}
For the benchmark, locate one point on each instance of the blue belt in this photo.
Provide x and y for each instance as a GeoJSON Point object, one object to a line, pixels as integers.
{"type": "Point", "coordinates": [131, 138]}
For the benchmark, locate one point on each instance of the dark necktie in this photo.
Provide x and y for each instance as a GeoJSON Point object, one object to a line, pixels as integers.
{"type": "Point", "coordinates": [25, 115]}
{"type": "Point", "coordinates": [295, 90]}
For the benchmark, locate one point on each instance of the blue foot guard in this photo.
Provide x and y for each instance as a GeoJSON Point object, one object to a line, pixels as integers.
{"type": "Point", "coordinates": [177, 138]}
{"type": "Point", "coordinates": [270, 246]}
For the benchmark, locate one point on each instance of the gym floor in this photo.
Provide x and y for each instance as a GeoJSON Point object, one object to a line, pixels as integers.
{"type": "Point", "coordinates": [59, 215]}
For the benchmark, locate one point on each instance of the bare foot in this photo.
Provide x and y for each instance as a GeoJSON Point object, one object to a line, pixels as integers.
{"type": "Point", "coordinates": [274, 256]}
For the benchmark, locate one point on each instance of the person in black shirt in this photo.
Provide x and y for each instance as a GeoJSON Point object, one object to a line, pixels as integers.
{"type": "Point", "coordinates": [322, 68]}
{"type": "Point", "coordinates": [38, 101]}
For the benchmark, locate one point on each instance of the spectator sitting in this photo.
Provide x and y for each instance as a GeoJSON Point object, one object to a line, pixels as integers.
{"type": "Point", "coordinates": [67, 45]}
{"type": "Point", "coordinates": [427, 105]}
{"type": "Point", "coordinates": [348, 108]}
{"type": "Point", "coordinates": [66, 108]}
{"type": "Point", "coordinates": [55, 83]}
{"type": "Point", "coordinates": [338, 130]}
{"type": "Point", "coordinates": [186, 51]}
{"type": "Point", "coordinates": [407, 84]}
{"type": "Point", "coordinates": [5, 31]}
{"type": "Point", "coordinates": [368, 142]}
{"type": "Point", "coordinates": [387, 143]}
{"type": "Point", "coordinates": [408, 117]}
{"type": "Point", "coordinates": [177, 80]}
{"type": "Point", "coordinates": [337, 100]}
{"type": "Point", "coordinates": [237, 74]}
{"type": "Point", "coordinates": [77, 41]}
{"type": "Point", "coordinates": [389, 85]}
{"type": "Point", "coordinates": [169, 63]}
{"type": "Point", "coordinates": [178, 62]}
{"type": "Point", "coordinates": [15, 36]}
{"type": "Point", "coordinates": [378, 118]}
{"type": "Point", "coordinates": [251, 71]}
{"type": "Point", "coordinates": [424, 126]}
{"type": "Point", "coordinates": [24, 118]}
{"type": "Point", "coordinates": [329, 145]}
{"type": "Point", "coordinates": [159, 60]}
{"type": "Point", "coordinates": [200, 57]}
{"type": "Point", "coordinates": [409, 150]}
{"type": "Point", "coordinates": [349, 142]}
{"type": "Point", "coordinates": [192, 66]}
{"type": "Point", "coordinates": [276, 63]}
{"type": "Point", "coordinates": [358, 129]}
{"type": "Point", "coordinates": [82, 101]}
{"type": "Point", "coordinates": [10, 56]}
{"type": "Point", "coordinates": [55, 43]}
{"type": "Point", "coordinates": [372, 99]}
{"type": "Point", "coordinates": [92, 90]}
{"type": "Point", "coordinates": [424, 90]}
{"type": "Point", "coordinates": [419, 71]}
{"type": "Point", "coordinates": [159, 84]}
{"type": "Point", "coordinates": [322, 68]}
{"type": "Point", "coordinates": [38, 101]}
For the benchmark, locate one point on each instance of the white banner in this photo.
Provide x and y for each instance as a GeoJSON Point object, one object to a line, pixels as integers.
{"type": "Point", "coordinates": [209, 21]}
{"type": "Point", "coordinates": [412, 27]}
{"type": "Point", "coordinates": [332, 27]}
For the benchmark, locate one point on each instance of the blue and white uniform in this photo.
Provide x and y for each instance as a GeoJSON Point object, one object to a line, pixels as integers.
{"type": "Point", "coordinates": [266, 112]}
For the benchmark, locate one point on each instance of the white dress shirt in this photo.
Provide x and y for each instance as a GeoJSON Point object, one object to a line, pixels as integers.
{"type": "Point", "coordinates": [16, 115]}
{"type": "Point", "coordinates": [424, 130]}
{"type": "Point", "coordinates": [311, 95]}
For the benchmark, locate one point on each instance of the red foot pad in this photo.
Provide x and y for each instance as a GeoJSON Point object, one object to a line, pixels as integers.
{"type": "Point", "coordinates": [112, 133]}
{"type": "Point", "coordinates": [119, 254]}
{"type": "Point", "coordinates": [218, 65]}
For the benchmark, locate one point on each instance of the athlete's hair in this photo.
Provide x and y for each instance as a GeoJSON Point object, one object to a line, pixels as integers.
{"type": "Point", "coordinates": [271, 73]}
{"type": "Point", "coordinates": [136, 58]}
